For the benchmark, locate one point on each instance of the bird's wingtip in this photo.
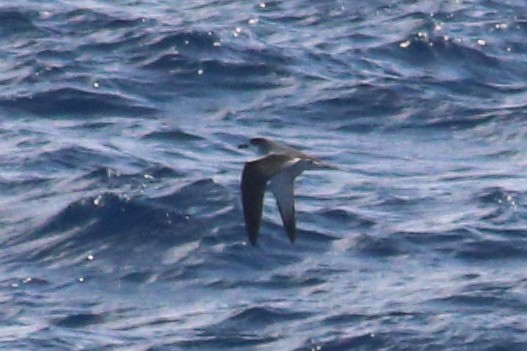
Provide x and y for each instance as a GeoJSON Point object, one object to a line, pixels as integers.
{"type": "Point", "coordinates": [291, 233]}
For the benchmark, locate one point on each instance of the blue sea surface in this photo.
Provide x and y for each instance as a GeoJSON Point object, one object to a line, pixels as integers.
{"type": "Point", "coordinates": [120, 218]}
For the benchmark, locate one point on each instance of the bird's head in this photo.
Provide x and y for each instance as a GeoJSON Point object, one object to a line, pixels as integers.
{"type": "Point", "coordinates": [261, 145]}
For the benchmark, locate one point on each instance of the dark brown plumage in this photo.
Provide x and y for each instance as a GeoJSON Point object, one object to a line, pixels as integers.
{"type": "Point", "coordinates": [255, 176]}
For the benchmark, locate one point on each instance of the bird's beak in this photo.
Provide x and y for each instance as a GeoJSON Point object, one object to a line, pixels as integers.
{"type": "Point", "coordinates": [243, 146]}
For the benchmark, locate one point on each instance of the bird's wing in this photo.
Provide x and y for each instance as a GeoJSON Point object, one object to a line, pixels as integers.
{"type": "Point", "coordinates": [254, 180]}
{"type": "Point", "coordinates": [282, 186]}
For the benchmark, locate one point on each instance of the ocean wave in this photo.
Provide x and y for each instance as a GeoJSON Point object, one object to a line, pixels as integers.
{"type": "Point", "coordinates": [132, 183]}
{"type": "Point", "coordinates": [67, 158]}
{"type": "Point", "coordinates": [173, 136]}
{"type": "Point", "coordinates": [346, 217]}
{"type": "Point", "coordinates": [259, 317]}
{"type": "Point", "coordinates": [502, 206]}
{"type": "Point", "coordinates": [75, 101]}
{"type": "Point", "coordinates": [79, 320]}
{"type": "Point", "coordinates": [476, 243]}
{"type": "Point", "coordinates": [424, 49]}
{"type": "Point", "coordinates": [492, 249]}
{"type": "Point", "coordinates": [15, 21]}
{"type": "Point", "coordinates": [84, 20]}
{"type": "Point", "coordinates": [201, 58]}
{"type": "Point", "coordinates": [110, 224]}
{"type": "Point", "coordinates": [379, 246]}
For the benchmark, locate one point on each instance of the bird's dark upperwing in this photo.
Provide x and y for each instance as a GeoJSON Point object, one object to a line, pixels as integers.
{"type": "Point", "coordinates": [255, 176]}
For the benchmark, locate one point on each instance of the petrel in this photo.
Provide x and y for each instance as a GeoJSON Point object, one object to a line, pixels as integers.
{"type": "Point", "coordinates": [278, 168]}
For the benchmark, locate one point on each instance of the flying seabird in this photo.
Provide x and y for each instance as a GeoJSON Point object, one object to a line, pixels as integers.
{"type": "Point", "coordinates": [278, 167]}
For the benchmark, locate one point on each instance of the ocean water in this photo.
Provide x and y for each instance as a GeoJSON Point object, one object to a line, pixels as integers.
{"type": "Point", "coordinates": [120, 218]}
